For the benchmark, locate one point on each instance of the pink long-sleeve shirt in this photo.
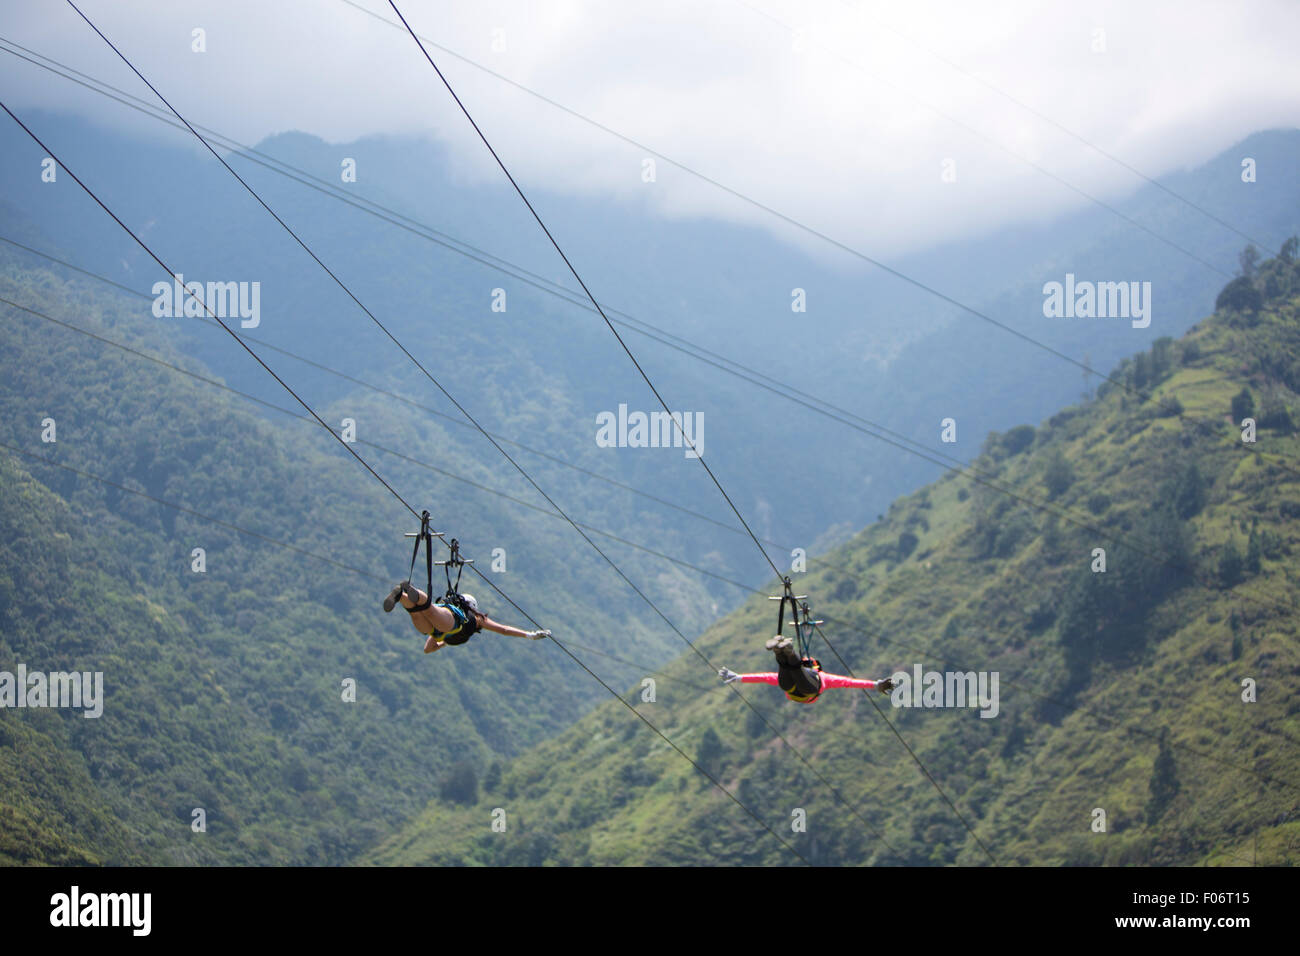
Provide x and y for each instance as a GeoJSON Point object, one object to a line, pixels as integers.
{"type": "Point", "coordinates": [828, 680]}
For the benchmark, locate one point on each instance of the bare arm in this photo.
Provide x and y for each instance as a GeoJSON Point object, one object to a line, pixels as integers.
{"type": "Point", "coordinates": [491, 625]}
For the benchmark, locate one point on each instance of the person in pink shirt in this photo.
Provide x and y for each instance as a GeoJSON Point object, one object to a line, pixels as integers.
{"type": "Point", "coordinates": [802, 679]}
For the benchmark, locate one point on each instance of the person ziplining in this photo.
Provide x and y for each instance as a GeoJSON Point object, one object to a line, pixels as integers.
{"type": "Point", "coordinates": [798, 673]}
{"type": "Point", "coordinates": [802, 678]}
{"type": "Point", "coordinates": [454, 618]}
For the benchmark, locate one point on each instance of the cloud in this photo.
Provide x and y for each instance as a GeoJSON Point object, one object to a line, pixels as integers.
{"type": "Point", "coordinates": [842, 115]}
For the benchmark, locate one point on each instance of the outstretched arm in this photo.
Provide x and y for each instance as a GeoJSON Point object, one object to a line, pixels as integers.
{"type": "Point", "coordinates": [491, 625]}
{"type": "Point", "coordinates": [728, 676]}
{"type": "Point", "coordinates": [839, 680]}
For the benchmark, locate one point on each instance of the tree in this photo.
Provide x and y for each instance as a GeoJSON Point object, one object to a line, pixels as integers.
{"type": "Point", "coordinates": [1239, 295]}
{"type": "Point", "coordinates": [1248, 260]}
{"type": "Point", "coordinates": [1253, 553]}
{"type": "Point", "coordinates": [1164, 780]}
{"type": "Point", "coordinates": [1277, 417]}
{"type": "Point", "coordinates": [1081, 623]}
{"type": "Point", "coordinates": [1162, 358]}
{"type": "Point", "coordinates": [1243, 406]}
{"type": "Point", "coordinates": [1230, 564]}
{"type": "Point", "coordinates": [1059, 475]}
{"type": "Point", "coordinates": [709, 753]}
{"type": "Point", "coordinates": [1141, 370]}
{"type": "Point", "coordinates": [461, 783]}
{"type": "Point", "coordinates": [1186, 491]}
{"type": "Point", "coordinates": [1288, 251]}
{"type": "Point", "coordinates": [1107, 615]}
{"type": "Point", "coordinates": [1018, 439]}
{"type": "Point", "coordinates": [1169, 407]}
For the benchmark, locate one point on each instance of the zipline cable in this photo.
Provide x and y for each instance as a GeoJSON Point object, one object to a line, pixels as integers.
{"type": "Point", "coordinates": [838, 244]}
{"type": "Point", "coordinates": [558, 249]}
{"type": "Point", "coordinates": [450, 419]}
{"type": "Point", "coordinates": [546, 286]}
{"type": "Point", "coordinates": [912, 753]}
{"type": "Point", "coordinates": [242, 344]}
{"type": "Point", "coordinates": [1069, 707]}
{"type": "Point", "coordinates": [448, 395]}
{"type": "Point", "coordinates": [386, 485]}
{"type": "Point", "coordinates": [267, 539]}
{"type": "Point", "coordinates": [212, 382]}
{"type": "Point", "coordinates": [675, 420]}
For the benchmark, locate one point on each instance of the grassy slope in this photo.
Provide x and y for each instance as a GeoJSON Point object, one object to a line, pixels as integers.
{"type": "Point", "coordinates": [991, 584]}
{"type": "Point", "coordinates": [223, 689]}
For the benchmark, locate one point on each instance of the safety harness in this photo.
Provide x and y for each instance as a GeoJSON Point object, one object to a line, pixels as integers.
{"type": "Point", "coordinates": [453, 590]}
{"type": "Point", "coordinates": [800, 616]}
{"type": "Point", "coordinates": [804, 624]}
{"type": "Point", "coordinates": [424, 536]}
{"type": "Point", "coordinates": [451, 598]}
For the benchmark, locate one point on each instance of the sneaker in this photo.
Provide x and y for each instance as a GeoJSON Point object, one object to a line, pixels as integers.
{"type": "Point", "coordinates": [783, 647]}
{"type": "Point", "coordinates": [394, 596]}
{"type": "Point", "coordinates": [885, 686]}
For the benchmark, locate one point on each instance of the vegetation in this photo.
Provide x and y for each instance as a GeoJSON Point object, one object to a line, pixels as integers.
{"type": "Point", "coordinates": [1120, 689]}
{"type": "Point", "coordinates": [225, 688]}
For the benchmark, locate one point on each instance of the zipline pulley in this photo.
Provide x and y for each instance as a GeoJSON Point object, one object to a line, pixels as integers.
{"type": "Point", "coordinates": [454, 560]}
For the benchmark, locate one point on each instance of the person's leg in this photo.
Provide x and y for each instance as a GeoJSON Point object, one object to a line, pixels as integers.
{"type": "Point", "coordinates": [801, 681]}
{"type": "Point", "coordinates": [784, 650]}
{"type": "Point", "coordinates": [793, 676]}
{"type": "Point", "coordinates": [435, 617]}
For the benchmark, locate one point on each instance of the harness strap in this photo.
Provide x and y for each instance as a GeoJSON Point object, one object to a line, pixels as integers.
{"type": "Point", "coordinates": [800, 617]}
{"type": "Point", "coordinates": [425, 537]}
{"type": "Point", "coordinates": [453, 590]}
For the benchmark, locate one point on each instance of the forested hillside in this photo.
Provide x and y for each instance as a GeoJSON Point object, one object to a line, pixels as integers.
{"type": "Point", "coordinates": [1157, 697]}
{"type": "Point", "coordinates": [425, 252]}
{"type": "Point", "coordinates": [224, 687]}
{"type": "Point", "coordinates": [157, 455]}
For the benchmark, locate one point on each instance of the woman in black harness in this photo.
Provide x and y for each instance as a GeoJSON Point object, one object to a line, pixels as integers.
{"type": "Point", "coordinates": [449, 621]}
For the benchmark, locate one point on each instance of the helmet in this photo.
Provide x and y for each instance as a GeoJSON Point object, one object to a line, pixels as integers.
{"type": "Point", "coordinates": [469, 601]}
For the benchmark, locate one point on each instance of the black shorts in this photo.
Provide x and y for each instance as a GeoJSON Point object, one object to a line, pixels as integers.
{"type": "Point", "coordinates": [465, 628]}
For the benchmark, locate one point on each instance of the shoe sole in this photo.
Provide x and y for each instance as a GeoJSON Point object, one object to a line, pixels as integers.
{"type": "Point", "coordinates": [394, 596]}
{"type": "Point", "coordinates": [784, 650]}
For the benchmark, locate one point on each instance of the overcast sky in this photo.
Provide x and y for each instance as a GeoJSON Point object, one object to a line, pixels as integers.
{"type": "Point", "coordinates": [840, 113]}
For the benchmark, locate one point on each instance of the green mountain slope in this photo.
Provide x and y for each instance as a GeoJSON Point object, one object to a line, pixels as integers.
{"type": "Point", "coordinates": [224, 689]}
{"type": "Point", "coordinates": [1120, 691]}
